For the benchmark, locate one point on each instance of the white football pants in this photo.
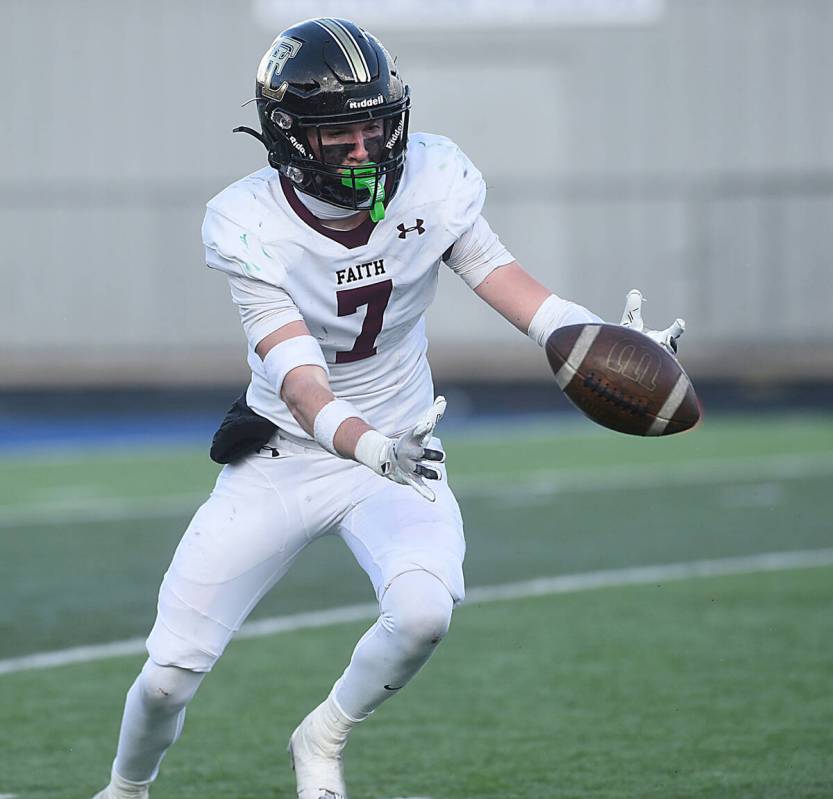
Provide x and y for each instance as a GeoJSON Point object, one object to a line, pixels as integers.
{"type": "Point", "coordinates": [259, 517]}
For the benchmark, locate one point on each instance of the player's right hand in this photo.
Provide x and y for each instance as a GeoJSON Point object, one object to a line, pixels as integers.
{"type": "Point", "coordinates": [404, 459]}
{"type": "Point", "coordinates": [632, 318]}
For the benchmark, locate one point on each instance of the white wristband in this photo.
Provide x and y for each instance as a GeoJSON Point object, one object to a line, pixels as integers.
{"type": "Point", "coordinates": [329, 419]}
{"type": "Point", "coordinates": [370, 449]}
{"type": "Point", "coordinates": [289, 354]}
{"type": "Point", "coordinates": [554, 313]}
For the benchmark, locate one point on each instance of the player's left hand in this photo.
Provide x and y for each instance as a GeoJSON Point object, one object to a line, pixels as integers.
{"type": "Point", "coordinates": [632, 317]}
{"type": "Point", "coordinates": [404, 459]}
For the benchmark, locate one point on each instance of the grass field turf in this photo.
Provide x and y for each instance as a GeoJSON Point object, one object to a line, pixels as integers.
{"type": "Point", "coordinates": [721, 688]}
{"type": "Point", "coordinates": [708, 688]}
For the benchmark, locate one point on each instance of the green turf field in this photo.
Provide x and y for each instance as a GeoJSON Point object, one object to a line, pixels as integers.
{"type": "Point", "coordinates": [714, 687]}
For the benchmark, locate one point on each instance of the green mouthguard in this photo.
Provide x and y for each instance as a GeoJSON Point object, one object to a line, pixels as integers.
{"type": "Point", "coordinates": [365, 178]}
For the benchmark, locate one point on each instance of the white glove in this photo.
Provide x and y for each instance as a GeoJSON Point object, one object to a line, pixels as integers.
{"type": "Point", "coordinates": [401, 459]}
{"type": "Point", "coordinates": [632, 317]}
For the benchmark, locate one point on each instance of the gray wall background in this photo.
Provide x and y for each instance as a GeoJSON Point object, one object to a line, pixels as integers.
{"type": "Point", "coordinates": [692, 158]}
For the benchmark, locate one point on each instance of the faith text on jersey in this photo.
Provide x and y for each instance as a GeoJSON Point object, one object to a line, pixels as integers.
{"type": "Point", "coordinates": [360, 271]}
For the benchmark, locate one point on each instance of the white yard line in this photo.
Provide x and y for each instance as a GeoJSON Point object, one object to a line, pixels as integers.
{"type": "Point", "coordinates": [544, 586]}
{"type": "Point", "coordinates": [113, 509]}
{"type": "Point", "coordinates": [711, 471]}
{"type": "Point", "coordinates": [500, 487]}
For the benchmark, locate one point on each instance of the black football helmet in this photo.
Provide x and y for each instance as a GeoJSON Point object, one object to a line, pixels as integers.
{"type": "Point", "coordinates": [324, 73]}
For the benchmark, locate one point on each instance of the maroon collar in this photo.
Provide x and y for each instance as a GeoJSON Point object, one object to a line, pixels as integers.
{"type": "Point", "coordinates": [357, 237]}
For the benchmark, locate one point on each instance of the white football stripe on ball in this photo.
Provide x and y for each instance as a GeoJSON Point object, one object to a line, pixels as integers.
{"type": "Point", "coordinates": [582, 346]}
{"type": "Point", "coordinates": [669, 407]}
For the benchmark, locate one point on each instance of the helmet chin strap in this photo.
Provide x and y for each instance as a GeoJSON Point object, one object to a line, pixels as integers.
{"type": "Point", "coordinates": [259, 136]}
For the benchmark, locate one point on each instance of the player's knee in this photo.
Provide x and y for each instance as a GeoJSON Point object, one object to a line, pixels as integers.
{"type": "Point", "coordinates": [424, 626]}
{"type": "Point", "coordinates": [167, 689]}
{"type": "Point", "coordinates": [420, 610]}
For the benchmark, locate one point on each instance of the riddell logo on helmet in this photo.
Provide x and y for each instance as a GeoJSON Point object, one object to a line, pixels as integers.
{"type": "Point", "coordinates": [367, 102]}
{"type": "Point", "coordinates": [298, 146]}
{"type": "Point", "coordinates": [394, 138]}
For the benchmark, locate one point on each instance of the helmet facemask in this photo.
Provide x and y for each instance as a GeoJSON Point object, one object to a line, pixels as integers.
{"type": "Point", "coordinates": [318, 168]}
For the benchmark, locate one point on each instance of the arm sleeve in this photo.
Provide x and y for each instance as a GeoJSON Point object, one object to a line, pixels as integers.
{"type": "Point", "coordinates": [477, 253]}
{"type": "Point", "coordinates": [263, 308]}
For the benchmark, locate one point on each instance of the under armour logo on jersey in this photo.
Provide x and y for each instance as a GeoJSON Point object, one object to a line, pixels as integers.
{"type": "Point", "coordinates": [404, 231]}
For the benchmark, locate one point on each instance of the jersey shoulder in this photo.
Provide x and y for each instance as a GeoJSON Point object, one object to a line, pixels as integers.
{"type": "Point", "coordinates": [246, 201]}
{"type": "Point", "coordinates": [239, 224]}
{"type": "Point", "coordinates": [439, 174]}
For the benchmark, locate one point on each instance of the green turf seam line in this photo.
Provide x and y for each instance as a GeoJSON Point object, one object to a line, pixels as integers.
{"type": "Point", "coordinates": [544, 586]}
{"type": "Point", "coordinates": [539, 485]}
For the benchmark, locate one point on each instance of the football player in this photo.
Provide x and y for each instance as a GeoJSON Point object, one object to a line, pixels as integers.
{"type": "Point", "coordinates": [332, 253]}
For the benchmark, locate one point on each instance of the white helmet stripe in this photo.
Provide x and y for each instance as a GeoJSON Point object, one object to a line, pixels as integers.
{"type": "Point", "coordinates": [349, 47]}
{"type": "Point", "coordinates": [364, 71]}
{"type": "Point", "coordinates": [321, 24]}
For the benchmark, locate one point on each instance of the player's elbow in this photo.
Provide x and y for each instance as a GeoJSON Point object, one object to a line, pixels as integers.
{"type": "Point", "coordinates": [303, 390]}
{"type": "Point", "coordinates": [296, 384]}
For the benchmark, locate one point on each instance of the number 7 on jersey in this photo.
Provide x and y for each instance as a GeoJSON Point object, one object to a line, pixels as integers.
{"type": "Point", "coordinates": [376, 297]}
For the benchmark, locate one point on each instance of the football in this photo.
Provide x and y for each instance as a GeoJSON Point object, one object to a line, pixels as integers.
{"type": "Point", "coordinates": [622, 379]}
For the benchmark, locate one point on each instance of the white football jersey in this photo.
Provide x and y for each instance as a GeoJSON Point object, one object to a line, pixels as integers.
{"type": "Point", "coordinates": [362, 293]}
